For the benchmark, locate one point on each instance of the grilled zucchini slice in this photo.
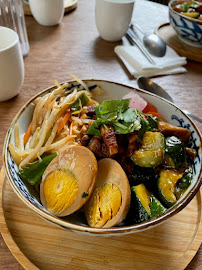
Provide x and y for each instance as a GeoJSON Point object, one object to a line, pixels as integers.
{"type": "Point", "coordinates": [166, 186]}
{"type": "Point", "coordinates": [151, 158]}
{"type": "Point", "coordinates": [144, 205]}
{"type": "Point", "coordinates": [175, 151]}
{"type": "Point", "coordinates": [184, 182]}
{"type": "Point", "coordinates": [152, 151]}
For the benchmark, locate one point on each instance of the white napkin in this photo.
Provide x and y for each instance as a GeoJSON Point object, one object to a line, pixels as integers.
{"type": "Point", "coordinates": [136, 63]}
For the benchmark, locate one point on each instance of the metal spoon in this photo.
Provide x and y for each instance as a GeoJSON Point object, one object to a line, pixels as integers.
{"type": "Point", "coordinates": [150, 86]}
{"type": "Point", "coordinates": [154, 44]}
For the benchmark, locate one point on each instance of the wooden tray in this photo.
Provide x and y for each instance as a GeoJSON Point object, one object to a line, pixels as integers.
{"type": "Point", "coordinates": [168, 34]}
{"type": "Point", "coordinates": [69, 5]}
{"type": "Point", "coordinates": [35, 243]}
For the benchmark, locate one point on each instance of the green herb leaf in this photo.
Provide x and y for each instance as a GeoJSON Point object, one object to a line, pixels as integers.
{"type": "Point", "coordinates": [94, 129]}
{"type": "Point", "coordinates": [153, 122]}
{"type": "Point", "coordinates": [118, 114]}
{"type": "Point", "coordinates": [110, 106]}
{"type": "Point", "coordinates": [84, 194]}
{"type": "Point", "coordinates": [186, 6]}
{"type": "Point", "coordinates": [129, 115]}
{"type": "Point", "coordinates": [144, 127]}
{"type": "Point", "coordinates": [81, 101]}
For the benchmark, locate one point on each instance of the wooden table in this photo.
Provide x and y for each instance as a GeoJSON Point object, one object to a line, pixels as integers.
{"type": "Point", "coordinates": [74, 47]}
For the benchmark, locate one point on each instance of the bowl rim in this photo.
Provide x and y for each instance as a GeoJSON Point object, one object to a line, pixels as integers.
{"type": "Point", "coordinates": [170, 5]}
{"type": "Point", "coordinates": [86, 229]}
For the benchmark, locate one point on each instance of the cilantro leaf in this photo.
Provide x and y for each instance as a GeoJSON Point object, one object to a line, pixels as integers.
{"type": "Point", "coordinates": [110, 106]}
{"type": "Point", "coordinates": [129, 115]}
{"type": "Point", "coordinates": [144, 127]}
{"type": "Point", "coordinates": [153, 122]}
{"type": "Point", "coordinates": [94, 129]}
{"type": "Point", "coordinates": [84, 194]}
{"type": "Point", "coordinates": [118, 114]}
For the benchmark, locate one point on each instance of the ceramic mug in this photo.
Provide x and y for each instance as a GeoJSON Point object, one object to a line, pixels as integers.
{"type": "Point", "coordinates": [11, 64]}
{"type": "Point", "coordinates": [113, 18]}
{"type": "Point", "coordinates": [47, 12]}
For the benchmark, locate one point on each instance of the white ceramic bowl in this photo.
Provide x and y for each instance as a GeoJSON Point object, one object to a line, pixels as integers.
{"type": "Point", "coordinates": [111, 91]}
{"type": "Point", "coordinates": [189, 30]}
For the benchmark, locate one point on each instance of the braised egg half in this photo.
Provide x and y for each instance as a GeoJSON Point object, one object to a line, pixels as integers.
{"type": "Point", "coordinates": [110, 200]}
{"type": "Point", "coordinates": [68, 181]}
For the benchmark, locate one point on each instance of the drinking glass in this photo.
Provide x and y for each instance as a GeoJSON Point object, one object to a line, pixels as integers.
{"type": "Point", "coordinates": [12, 16]}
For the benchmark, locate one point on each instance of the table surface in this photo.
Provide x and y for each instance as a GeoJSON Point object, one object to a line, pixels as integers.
{"type": "Point", "coordinates": [74, 47]}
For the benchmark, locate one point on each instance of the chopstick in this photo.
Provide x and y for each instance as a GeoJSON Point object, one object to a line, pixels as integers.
{"type": "Point", "coordinates": [134, 40]}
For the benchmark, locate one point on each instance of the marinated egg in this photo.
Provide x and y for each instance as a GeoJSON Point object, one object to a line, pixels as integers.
{"type": "Point", "coordinates": [68, 181]}
{"type": "Point", "coordinates": [110, 200]}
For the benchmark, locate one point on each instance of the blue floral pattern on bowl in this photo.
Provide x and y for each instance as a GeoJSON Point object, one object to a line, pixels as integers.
{"type": "Point", "coordinates": [194, 144]}
{"type": "Point", "coordinates": [19, 184]}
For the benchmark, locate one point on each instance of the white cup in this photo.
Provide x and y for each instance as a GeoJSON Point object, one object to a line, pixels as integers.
{"type": "Point", "coordinates": [11, 64]}
{"type": "Point", "coordinates": [113, 18]}
{"type": "Point", "coordinates": [47, 12]}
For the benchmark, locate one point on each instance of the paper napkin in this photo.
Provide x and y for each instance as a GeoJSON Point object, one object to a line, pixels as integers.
{"type": "Point", "coordinates": [149, 15]}
{"type": "Point", "coordinates": [138, 65]}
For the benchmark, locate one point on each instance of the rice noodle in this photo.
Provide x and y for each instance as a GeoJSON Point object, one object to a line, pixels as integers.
{"type": "Point", "coordinates": [16, 135]}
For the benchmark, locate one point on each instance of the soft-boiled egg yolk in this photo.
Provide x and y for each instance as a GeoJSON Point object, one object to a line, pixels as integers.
{"type": "Point", "coordinates": [104, 204]}
{"type": "Point", "coordinates": [68, 181]}
{"type": "Point", "coordinates": [60, 190]}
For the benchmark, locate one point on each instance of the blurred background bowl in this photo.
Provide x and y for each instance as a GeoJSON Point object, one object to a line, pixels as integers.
{"type": "Point", "coordinates": [189, 30]}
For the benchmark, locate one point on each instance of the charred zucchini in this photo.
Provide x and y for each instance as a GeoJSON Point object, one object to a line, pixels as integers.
{"type": "Point", "coordinates": [168, 161]}
{"type": "Point", "coordinates": [176, 151]}
{"type": "Point", "coordinates": [152, 151]}
{"type": "Point", "coordinates": [144, 205]}
{"type": "Point", "coordinates": [144, 158]}
{"type": "Point", "coordinates": [153, 141]}
{"type": "Point", "coordinates": [184, 182]}
{"type": "Point", "coordinates": [142, 175]}
{"type": "Point", "coordinates": [166, 186]}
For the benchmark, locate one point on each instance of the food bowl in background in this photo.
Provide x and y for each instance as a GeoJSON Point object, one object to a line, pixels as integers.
{"type": "Point", "coordinates": [76, 223]}
{"type": "Point", "coordinates": [189, 30]}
